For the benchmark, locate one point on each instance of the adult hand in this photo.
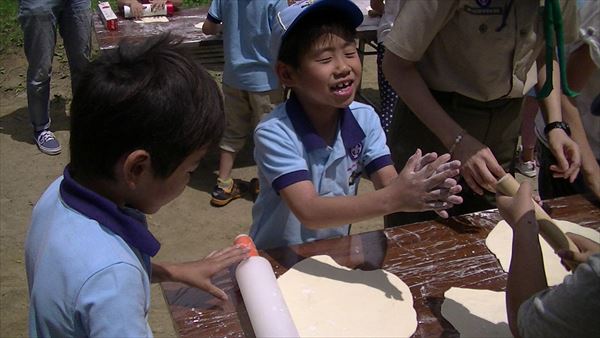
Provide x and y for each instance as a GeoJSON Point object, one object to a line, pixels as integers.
{"type": "Point", "coordinates": [427, 183]}
{"type": "Point", "coordinates": [480, 169]}
{"type": "Point", "coordinates": [567, 155]}
{"type": "Point", "coordinates": [586, 247]}
{"type": "Point", "coordinates": [198, 273]}
{"type": "Point", "coordinates": [137, 9]}
{"type": "Point", "coordinates": [158, 5]}
{"type": "Point", "coordinates": [512, 209]}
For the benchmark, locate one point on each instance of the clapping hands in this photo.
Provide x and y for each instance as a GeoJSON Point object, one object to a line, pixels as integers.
{"type": "Point", "coordinates": [427, 182]}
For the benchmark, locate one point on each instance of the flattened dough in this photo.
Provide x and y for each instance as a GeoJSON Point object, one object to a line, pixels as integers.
{"type": "Point", "coordinates": [476, 313]}
{"type": "Point", "coordinates": [152, 19]}
{"type": "Point", "coordinates": [499, 241]}
{"type": "Point", "coordinates": [326, 299]}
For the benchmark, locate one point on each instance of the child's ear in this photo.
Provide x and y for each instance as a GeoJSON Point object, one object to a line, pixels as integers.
{"type": "Point", "coordinates": [284, 72]}
{"type": "Point", "coordinates": [135, 166]}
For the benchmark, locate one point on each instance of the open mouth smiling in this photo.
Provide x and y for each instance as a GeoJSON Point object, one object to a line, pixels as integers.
{"type": "Point", "coordinates": [342, 87]}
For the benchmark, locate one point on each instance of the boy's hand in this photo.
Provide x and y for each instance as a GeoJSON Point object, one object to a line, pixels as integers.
{"type": "Point", "coordinates": [586, 246]}
{"type": "Point", "coordinates": [512, 209]}
{"type": "Point", "coordinates": [426, 183]}
{"type": "Point", "coordinates": [198, 273]}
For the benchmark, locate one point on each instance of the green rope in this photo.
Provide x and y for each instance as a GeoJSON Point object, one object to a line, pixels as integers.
{"type": "Point", "coordinates": [553, 28]}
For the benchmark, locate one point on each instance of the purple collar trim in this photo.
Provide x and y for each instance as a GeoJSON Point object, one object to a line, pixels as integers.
{"type": "Point", "coordinates": [132, 230]}
{"type": "Point", "coordinates": [352, 133]}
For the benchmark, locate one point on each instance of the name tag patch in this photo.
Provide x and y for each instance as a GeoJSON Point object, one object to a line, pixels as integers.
{"type": "Point", "coordinates": [483, 8]}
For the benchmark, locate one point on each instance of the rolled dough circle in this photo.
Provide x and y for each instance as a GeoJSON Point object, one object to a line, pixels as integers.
{"type": "Point", "coordinates": [326, 299]}
{"type": "Point", "coordinates": [499, 241]}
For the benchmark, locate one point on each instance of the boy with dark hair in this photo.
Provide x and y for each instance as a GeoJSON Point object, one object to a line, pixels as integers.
{"type": "Point", "coordinates": [142, 118]}
{"type": "Point", "coordinates": [312, 150]}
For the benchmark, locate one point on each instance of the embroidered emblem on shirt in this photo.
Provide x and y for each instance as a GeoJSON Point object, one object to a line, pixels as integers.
{"type": "Point", "coordinates": [355, 151]}
{"type": "Point", "coordinates": [483, 8]}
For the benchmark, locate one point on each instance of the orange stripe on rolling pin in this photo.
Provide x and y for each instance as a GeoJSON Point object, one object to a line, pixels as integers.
{"type": "Point", "coordinates": [246, 242]}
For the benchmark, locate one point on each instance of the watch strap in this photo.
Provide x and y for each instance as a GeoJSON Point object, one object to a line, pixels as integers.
{"type": "Point", "coordinates": [557, 124]}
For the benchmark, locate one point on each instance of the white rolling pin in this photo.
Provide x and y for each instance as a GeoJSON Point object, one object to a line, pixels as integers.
{"type": "Point", "coordinates": [553, 235]}
{"type": "Point", "coordinates": [264, 302]}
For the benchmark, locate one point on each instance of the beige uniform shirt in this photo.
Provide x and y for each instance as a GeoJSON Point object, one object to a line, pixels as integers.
{"type": "Point", "coordinates": [458, 49]}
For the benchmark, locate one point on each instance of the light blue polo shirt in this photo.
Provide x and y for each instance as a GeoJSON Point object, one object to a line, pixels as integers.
{"type": "Point", "coordinates": [246, 41]}
{"type": "Point", "coordinates": [88, 265]}
{"type": "Point", "coordinates": [289, 150]}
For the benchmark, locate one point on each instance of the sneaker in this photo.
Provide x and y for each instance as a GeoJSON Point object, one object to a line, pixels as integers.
{"type": "Point", "coordinates": [527, 168]}
{"type": "Point", "coordinates": [47, 142]}
{"type": "Point", "coordinates": [254, 188]}
{"type": "Point", "coordinates": [221, 197]}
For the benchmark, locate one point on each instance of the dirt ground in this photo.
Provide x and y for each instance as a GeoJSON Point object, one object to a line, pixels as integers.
{"type": "Point", "coordinates": [188, 228]}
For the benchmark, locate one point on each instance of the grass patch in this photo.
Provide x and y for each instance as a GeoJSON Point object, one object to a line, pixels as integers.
{"type": "Point", "coordinates": [10, 30]}
{"type": "Point", "coordinates": [11, 36]}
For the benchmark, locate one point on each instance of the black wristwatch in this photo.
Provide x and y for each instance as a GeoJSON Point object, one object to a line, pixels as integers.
{"type": "Point", "coordinates": [557, 124]}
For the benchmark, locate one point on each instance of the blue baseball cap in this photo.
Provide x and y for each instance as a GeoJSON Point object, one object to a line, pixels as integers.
{"type": "Point", "coordinates": [290, 16]}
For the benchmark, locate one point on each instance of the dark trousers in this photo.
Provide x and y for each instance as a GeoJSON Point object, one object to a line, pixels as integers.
{"type": "Point", "coordinates": [494, 123]}
{"type": "Point", "coordinates": [550, 187]}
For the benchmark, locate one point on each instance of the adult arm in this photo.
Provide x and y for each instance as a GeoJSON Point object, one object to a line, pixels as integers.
{"type": "Point", "coordinates": [579, 69]}
{"type": "Point", "coordinates": [480, 169]}
{"type": "Point", "coordinates": [564, 149]}
{"type": "Point", "coordinates": [198, 273]}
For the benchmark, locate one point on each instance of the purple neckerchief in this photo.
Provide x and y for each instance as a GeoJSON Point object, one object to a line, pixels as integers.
{"type": "Point", "coordinates": [352, 133]}
{"type": "Point", "coordinates": [131, 230]}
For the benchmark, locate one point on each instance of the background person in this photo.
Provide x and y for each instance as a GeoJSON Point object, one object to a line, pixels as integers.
{"type": "Point", "coordinates": [583, 70]}
{"type": "Point", "coordinates": [250, 85]}
{"type": "Point", "coordinates": [460, 68]}
{"type": "Point", "coordinates": [40, 20]}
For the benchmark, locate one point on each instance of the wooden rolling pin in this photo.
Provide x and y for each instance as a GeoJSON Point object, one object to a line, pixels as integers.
{"type": "Point", "coordinates": [553, 235]}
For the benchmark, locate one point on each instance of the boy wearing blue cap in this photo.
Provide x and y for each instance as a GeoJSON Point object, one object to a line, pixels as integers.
{"type": "Point", "coordinates": [142, 118]}
{"type": "Point", "coordinates": [312, 150]}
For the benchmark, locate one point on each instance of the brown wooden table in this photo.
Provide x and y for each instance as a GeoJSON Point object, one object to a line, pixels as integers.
{"type": "Point", "coordinates": [430, 257]}
{"type": "Point", "coordinates": [180, 23]}
{"type": "Point", "coordinates": [207, 48]}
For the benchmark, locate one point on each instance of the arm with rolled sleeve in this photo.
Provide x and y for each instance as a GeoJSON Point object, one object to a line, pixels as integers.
{"type": "Point", "coordinates": [569, 309]}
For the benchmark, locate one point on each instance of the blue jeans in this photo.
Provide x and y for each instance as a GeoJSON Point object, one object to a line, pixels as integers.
{"type": "Point", "coordinates": [39, 21]}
